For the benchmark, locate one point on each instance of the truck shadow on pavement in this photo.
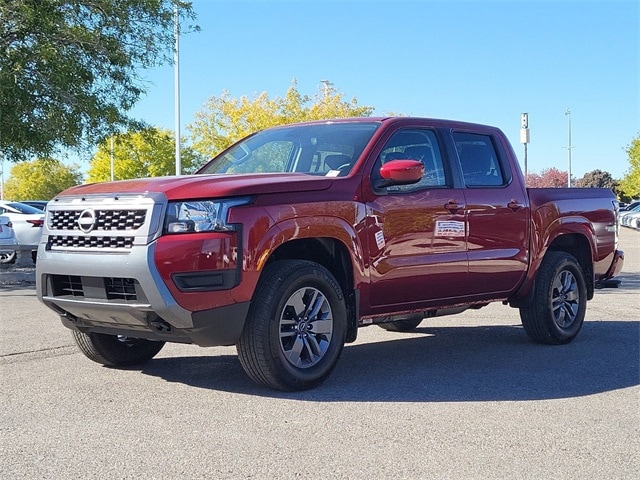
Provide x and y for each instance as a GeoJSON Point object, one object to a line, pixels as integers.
{"type": "Point", "coordinates": [446, 364]}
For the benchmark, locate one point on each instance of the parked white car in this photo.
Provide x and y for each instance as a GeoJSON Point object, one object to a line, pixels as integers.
{"type": "Point", "coordinates": [27, 223]}
{"type": "Point", "coordinates": [632, 220]}
{"type": "Point", "coordinates": [627, 218]}
{"type": "Point", "coordinates": [8, 241]}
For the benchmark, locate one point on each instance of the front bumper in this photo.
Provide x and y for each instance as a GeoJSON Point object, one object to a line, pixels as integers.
{"type": "Point", "coordinates": [104, 266]}
{"type": "Point", "coordinates": [123, 294]}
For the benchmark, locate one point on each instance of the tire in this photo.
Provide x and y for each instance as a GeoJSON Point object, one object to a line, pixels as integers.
{"type": "Point", "coordinates": [557, 312]}
{"type": "Point", "coordinates": [8, 258]}
{"type": "Point", "coordinates": [116, 350]}
{"type": "Point", "coordinates": [296, 326]}
{"type": "Point", "coordinates": [404, 323]}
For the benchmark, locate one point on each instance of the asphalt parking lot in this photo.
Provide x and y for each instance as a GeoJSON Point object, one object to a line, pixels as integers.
{"type": "Point", "coordinates": [464, 397]}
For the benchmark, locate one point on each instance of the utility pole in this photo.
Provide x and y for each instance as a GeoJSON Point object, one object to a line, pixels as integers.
{"type": "Point", "coordinates": [111, 158]}
{"type": "Point", "coordinates": [525, 138]}
{"type": "Point", "coordinates": [567, 112]}
{"type": "Point", "coordinates": [176, 78]}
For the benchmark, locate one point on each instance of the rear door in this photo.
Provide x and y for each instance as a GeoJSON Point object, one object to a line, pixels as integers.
{"type": "Point", "coordinates": [497, 214]}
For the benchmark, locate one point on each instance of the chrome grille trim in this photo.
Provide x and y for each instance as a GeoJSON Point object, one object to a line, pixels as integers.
{"type": "Point", "coordinates": [105, 223]}
{"type": "Point", "coordinates": [69, 241]}
{"type": "Point", "coordinates": [105, 219]}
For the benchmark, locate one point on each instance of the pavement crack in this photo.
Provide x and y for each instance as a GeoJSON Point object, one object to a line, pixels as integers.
{"type": "Point", "coordinates": [18, 357]}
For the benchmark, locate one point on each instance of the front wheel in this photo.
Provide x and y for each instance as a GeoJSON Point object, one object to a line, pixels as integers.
{"type": "Point", "coordinates": [296, 326]}
{"type": "Point", "coordinates": [557, 312]}
{"type": "Point", "coordinates": [116, 350]}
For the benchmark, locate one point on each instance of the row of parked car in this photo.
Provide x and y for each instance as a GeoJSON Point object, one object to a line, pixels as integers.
{"type": "Point", "coordinates": [629, 215]}
{"type": "Point", "coordinates": [20, 228]}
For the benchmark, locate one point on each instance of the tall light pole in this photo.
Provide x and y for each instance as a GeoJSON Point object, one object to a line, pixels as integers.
{"type": "Point", "coordinates": [111, 158]}
{"type": "Point", "coordinates": [567, 112]}
{"type": "Point", "coordinates": [525, 138]}
{"type": "Point", "coordinates": [2, 180]}
{"type": "Point", "coordinates": [176, 78]}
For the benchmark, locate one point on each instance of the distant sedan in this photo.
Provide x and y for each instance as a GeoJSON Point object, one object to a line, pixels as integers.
{"type": "Point", "coordinates": [39, 204]}
{"type": "Point", "coordinates": [8, 241]}
{"type": "Point", "coordinates": [27, 223]}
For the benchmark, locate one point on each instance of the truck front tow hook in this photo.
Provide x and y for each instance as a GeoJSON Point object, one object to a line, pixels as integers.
{"type": "Point", "coordinates": [160, 325]}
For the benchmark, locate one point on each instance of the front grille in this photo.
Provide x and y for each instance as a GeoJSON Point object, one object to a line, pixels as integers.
{"type": "Point", "coordinates": [97, 288]}
{"type": "Point", "coordinates": [64, 285]}
{"type": "Point", "coordinates": [120, 288]}
{"type": "Point", "coordinates": [98, 224]}
{"type": "Point", "coordinates": [105, 219]}
{"type": "Point", "coordinates": [71, 241]}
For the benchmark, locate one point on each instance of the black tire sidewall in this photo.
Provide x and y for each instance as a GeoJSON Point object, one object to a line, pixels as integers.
{"type": "Point", "coordinates": [259, 347]}
{"type": "Point", "coordinates": [568, 263]}
{"type": "Point", "coordinates": [9, 259]}
{"type": "Point", "coordinates": [108, 350]}
{"type": "Point", "coordinates": [319, 278]}
{"type": "Point", "coordinates": [537, 317]}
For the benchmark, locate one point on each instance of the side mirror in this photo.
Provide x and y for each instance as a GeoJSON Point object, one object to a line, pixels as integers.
{"type": "Point", "coordinates": [400, 172]}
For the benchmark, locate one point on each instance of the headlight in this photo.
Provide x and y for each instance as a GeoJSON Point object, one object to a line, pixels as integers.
{"type": "Point", "coordinates": [189, 216]}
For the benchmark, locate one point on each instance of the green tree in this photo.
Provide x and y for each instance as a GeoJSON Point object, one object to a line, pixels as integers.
{"type": "Point", "coordinates": [597, 179]}
{"type": "Point", "coordinates": [225, 120]}
{"type": "Point", "coordinates": [41, 179]}
{"type": "Point", "coordinates": [149, 153]}
{"type": "Point", "coordinates": [71, 69]}
{"type": "Point", "coordinates": [630, 183]}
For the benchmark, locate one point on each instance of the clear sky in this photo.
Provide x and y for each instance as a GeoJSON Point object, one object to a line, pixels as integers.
{"type": "Point", "coordinates": [477, 61]}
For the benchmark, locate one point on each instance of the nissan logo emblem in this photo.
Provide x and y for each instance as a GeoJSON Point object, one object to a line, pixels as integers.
{"type": "Point", "coordinates": [87, 220]}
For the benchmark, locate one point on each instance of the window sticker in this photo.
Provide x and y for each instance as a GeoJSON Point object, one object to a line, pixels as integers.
{"type": "Point", "coordinates": [380, 239]}
{"type": "Point", "coordinates": [449, 228]}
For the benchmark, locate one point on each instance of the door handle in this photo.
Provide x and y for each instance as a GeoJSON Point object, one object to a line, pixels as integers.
{"type": "Point", "coordinates": [515, 205]}
{"type": "Point", "coordinates": [453, 206]}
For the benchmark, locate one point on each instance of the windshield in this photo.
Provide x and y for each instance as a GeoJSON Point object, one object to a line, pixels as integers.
{"type": "Point", "coordinates": [327, 149]}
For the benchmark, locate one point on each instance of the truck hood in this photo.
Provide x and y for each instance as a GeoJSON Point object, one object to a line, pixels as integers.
{"type": "Point", "coordinates": [207, 186]}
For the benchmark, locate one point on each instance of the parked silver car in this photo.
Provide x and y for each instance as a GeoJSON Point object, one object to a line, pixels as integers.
{"type": "Point", "coordinates": [27, 224]}
{"type": "Point", "coordinates": [39, 204]}
{"type": "Point", "coordinates": [8, 241]}
{"type": "Point", "coordinates": [627, 218]}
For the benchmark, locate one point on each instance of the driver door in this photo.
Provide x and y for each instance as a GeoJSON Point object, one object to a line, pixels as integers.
{"type": "Point", "coordinates": [417, 233]}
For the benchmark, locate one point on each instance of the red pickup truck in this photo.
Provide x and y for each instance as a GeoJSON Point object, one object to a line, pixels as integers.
{"type": "Point", "coordinates": [288, 241]}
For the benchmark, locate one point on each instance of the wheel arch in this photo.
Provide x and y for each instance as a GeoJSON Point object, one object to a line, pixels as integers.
{"type": "Point", "coordinates": [576, 239]}
{"type": "Point", "coordinates": [579, 246]}
{"type": "Point", "coordinates": [332, 254]}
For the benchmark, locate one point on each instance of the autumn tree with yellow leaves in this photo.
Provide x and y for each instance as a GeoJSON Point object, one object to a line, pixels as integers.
{"type": "Point", "coordinates": [224, 119]}
{"type": "Point", "coordinates": [149, 153]}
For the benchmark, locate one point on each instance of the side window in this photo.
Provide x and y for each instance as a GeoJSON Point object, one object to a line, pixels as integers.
{"type": "Point", "coordinates": [478, 159]}
{"type": "Point", "coordinates": [416, 144]}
